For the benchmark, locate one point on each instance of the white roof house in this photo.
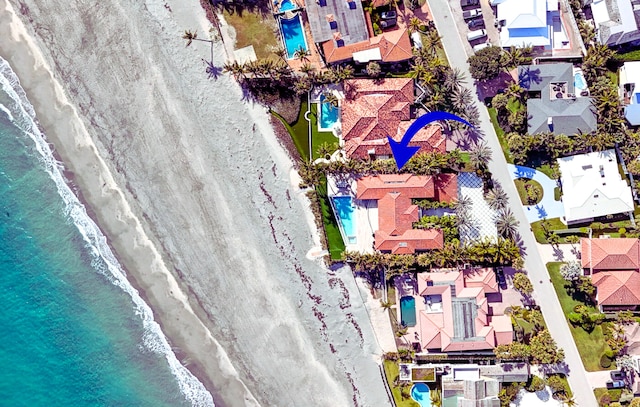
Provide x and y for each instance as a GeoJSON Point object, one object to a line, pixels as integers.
{"type": "Point", "coordinates": [528, 22]}
{"type": "Point", "coordinates": [615, 21]}
{"type": "Point", "coordinates": [593, 187]}
{"type": "Point", "coordinates": [630, 89]}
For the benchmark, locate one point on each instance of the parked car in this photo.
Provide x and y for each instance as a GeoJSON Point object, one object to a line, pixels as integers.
{"type": "Point", "coordinates": [466, 3]}
{"type": "Point", "coordinates": [502, 281]}
{"type": "Point", "coordinates": [476, 35]}
{"type": "Point", "coordinates": [388, 15]}
{"type": "Point", "coordinates": [615, 384]}
{"type": "Point", "coordinates": [480, 46]}
{"type": "Point", "coordinates": [478, 22]}
{"type": "Point", "coordinates": [469, 14]}
{"type": "Point", "coordinates": [416, 39]}
{"type": "Point", "coordinates": [617, 375]}
{"type": "Point", "coordinates": [388, 23]}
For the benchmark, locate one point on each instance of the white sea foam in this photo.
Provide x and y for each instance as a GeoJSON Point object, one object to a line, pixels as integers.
{"type": "Point", "coordinates": [104, 260]}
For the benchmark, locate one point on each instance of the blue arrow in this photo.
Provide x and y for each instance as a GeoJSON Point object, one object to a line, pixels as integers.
{"type": "Point", "coordinates": [402, 152]}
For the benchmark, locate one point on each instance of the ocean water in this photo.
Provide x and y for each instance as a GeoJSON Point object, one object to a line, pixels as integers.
{"type": "Point", "coordinates": [73, 331]}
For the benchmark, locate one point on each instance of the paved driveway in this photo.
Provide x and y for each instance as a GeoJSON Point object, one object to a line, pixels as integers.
{"type": "Point", "coordinates": [548, 207]}
{"type": "Point", "coordinates": [544, 291]}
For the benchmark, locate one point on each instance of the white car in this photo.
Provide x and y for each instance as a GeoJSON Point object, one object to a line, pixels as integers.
{"type": "Point", "coordinates": [483, 45]}
{"type": "Point", "coordinates": [476, 35]}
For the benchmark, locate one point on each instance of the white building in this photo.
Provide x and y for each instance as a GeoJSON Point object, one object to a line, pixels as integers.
{"type": "Point", "coordinates": [531, 22]}
{"type": "Point", "coordinates": [630, 91]}
{"type": "Point", "coordinates": [616, 21]}
{"type": "Point", "coordinates": [592, 187]}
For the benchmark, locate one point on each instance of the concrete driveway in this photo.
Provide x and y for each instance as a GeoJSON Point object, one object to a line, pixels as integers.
{"type": "Point", "coordinates": [548, 207]}
{"type": "Point", "coordinates": [545, 295]}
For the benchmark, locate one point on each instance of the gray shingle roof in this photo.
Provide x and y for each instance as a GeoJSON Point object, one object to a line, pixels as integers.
{"type": "Point", "coordinates": [351, 23]}
{"type": "Point", "coordinates": [570, 115]}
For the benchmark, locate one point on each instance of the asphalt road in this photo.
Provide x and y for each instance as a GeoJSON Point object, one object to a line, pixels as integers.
{"type": "Point", "coordinates": [545, 294]}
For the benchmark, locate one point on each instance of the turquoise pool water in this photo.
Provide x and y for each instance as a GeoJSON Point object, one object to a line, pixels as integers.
{"type": "Point", "coordinates": [328, 114]}
{"type": "Point", "coordinates": [287, 5]}
{"type": "Point", "coordinates": [293, 35]}
{"type": "Point", "coordinates": [578, 81]}
{"type": "Point", "coordinates": [408, 311]}
{"type": "Point", "coordinates": [344, 212]}
{"type": "Point", "coordinates": [420, 393]}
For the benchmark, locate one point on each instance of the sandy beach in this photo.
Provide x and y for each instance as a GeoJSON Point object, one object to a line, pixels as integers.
{"type": "Point", "coordinates": [197, 199]}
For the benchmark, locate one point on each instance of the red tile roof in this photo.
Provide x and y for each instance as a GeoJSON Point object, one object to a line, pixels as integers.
{"type": "Point", "coordinates": [436, 328]}
{"type": "Point", "coordinates": [394, 46]}
{"type": "Point", "coordinates": [610, 254]}
{"type": "Point", "coordinates": [396, 213]}
{"type": "Point", "coordinates": [374, 110]}
{"type": "Point", "coordinates": [619, 288]}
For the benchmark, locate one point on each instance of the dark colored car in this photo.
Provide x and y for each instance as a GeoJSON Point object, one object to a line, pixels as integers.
{"type": "Point", "coordinates": [388, 23]}
{"type": "Point", "coordinates": [388, 15]}
{"type": "Point", "coordinates": [616, 384]}
{"type": "Point", "coordinates": [467, 3]}
{"type": "Point", "coordinates": [617, 375]}
{"type": "Point", "coordinates": [502, 281]}
{"type": "Point", "coordinates": [475, 23]}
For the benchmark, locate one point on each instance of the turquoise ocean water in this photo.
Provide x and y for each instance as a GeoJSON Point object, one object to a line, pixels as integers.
{"type": "Point", "coordinates": [73, 331]}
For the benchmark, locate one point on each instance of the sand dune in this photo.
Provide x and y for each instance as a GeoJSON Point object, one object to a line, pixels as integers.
{"type": "Point", "coordinates": [195, 193]}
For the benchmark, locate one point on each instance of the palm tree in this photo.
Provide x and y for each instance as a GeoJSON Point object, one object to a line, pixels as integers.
{"type": "Point", "coordinates": [301, 54]}
{"type": "Point", "coordinates": [454, 78]}
{"type": "Point", "coordinates": [415, 23]}
{"type": "Point", "coordinates": [374, 69]}
{"type": "Point", "coordinates": [307, 68]}
{"type": "Point", "coordinates": [507, 224]}
{"type": "Point", "coordinates": [280, 52]}
{"type": "Point", "coordinates": [460, 98]}
{"type": "Point", "coordinates": [497, 198]}
{"type": "Point", "coordinates": [324, 150]}
{"type": "Point", "coordinates": [190, 36]}
{"type": "Point", "coordinates": [480, 157]}
{"type": "Point", "coordinates": [331, 98]}
{"type": "Point", "coordinates": [569, 401]}
{"type": "Point", "coordinates": [436, 398]}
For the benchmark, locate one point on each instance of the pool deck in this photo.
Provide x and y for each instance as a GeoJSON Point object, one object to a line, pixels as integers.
{"type": "Point", "coordinates": [365, 215]}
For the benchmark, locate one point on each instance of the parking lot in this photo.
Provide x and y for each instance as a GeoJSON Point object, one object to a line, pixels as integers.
{"type": "Point", "coordinates": [486, 23]}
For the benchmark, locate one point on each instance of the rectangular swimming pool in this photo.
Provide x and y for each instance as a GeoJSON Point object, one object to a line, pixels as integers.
{"type": "Point", "coordinates": [292, 35]}
{"type": "Point", "coordinates": [328, 115]}
{"type": "Point", "coordinates": [408, 311]}
{"type": "Point", "coordinates": [344, 209]}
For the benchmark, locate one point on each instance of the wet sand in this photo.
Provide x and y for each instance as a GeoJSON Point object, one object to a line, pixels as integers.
{"type": "Point", "coordinates": [197, 198]}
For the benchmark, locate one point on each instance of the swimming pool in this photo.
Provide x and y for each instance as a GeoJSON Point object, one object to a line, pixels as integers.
{"type": "Point", "coordinates": [343, 207]}
{"type": "Point", "coordinates": [292, 35]}
{"type": "Point", "coordinates": [287, 5]}
{"type": "Point", "coordinates": [578, 82]}
{"type": "Point", "coordinates": [408, 311]}
{"type": "Point", "coordinates": [328, 115]}
{"type": "Point", "coordinates": [420, 393]}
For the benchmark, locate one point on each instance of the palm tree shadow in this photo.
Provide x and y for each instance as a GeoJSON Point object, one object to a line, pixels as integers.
{"type": "Point", "coordinates": [211, 70]}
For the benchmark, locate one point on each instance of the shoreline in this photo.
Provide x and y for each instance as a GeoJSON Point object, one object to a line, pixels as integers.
{"type": "Point", "coordinates": [186, 212]}
{"type": "Point", "coordinates": [80, 186]}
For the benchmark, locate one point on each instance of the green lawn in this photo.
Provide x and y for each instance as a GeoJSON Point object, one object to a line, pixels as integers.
{"type": "Point", "coordinates": [557, 193]}
{"type": "Point", "coordinates": [392, 372]}
{"type": "Point", "coordinates": [299, 131]}
{"type": "Point", "coordinates": [522, 192]}
{"type": "Point", "coordinates": [254, 29]}
{"type": "Point", "coordinates": [547, 170]}
{"type": "Point", "coordinates": [334, 238]}
{"type": "Point", "coordinates": [591, 345]}
{"type": "Point", "coordinates": [503, 141]}
{"type": "Point", "coordinates": [538, 232]}
{"type": "Point", "coordinates": [319, 137]}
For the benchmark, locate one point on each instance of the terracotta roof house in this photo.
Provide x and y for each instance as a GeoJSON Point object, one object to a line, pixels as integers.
{"type": "Point", "coordinates": [553, 105]}
{"type": "Point", "coordinates": [454, 315]}
{"type": "Point", "coordinates": [592, 187]}
{"type": "Point", "coordinates": [377, 109]}
{"type": "Point", "coordinates": [396, 213]}
{"type": "Point", "coordinates": [343, 32]}
{"type": "Point", "coordinates": [614, 266]}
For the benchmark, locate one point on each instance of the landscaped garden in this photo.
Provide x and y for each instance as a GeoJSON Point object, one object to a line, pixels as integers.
{"type": "Point", "coordinates": [591, 345]}
{"type": "Point", "coordinates": [530, 191]}
{"type": "Point", "coordinates": [401, 392]}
